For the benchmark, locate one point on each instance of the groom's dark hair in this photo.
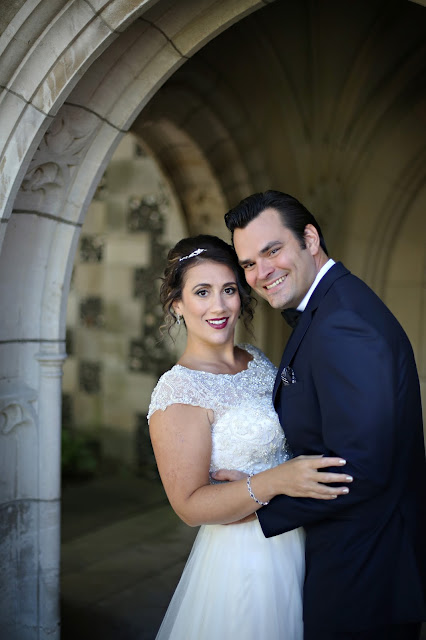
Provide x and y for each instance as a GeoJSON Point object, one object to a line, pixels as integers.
{"type": "Point", "coordinates": [293, 214]}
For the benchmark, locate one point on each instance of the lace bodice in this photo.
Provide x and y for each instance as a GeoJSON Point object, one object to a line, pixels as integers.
{"type": "Point", "coordinates": [246, 433]}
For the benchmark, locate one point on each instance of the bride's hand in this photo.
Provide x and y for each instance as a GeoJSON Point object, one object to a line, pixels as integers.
{"type": "Point", "coordinates": [249, 518]}
{"type": "Point", "coordinates": [302, 478]}
{"type": "Point", "coordinates": [228, 475]}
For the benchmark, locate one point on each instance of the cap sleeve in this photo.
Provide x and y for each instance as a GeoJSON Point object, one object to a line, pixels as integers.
{"type": "Point", "coordinates": [259, 357]}
{"type": "Point", "coordinates": [178, 386]}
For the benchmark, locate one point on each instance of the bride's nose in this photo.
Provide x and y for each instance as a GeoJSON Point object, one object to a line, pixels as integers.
{"type": "Point", "coordinates": [218, 302]}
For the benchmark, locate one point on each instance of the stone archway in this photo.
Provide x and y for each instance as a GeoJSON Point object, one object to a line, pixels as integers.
{"type": "Point", "coordinates": [106, 63]}
{"type": "Point", "coordinates": [202, 199]}
{"type": "Point", "coordinates": [74, 78]}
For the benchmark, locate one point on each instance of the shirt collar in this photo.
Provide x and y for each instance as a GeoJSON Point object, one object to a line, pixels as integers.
{"type": "Point", "coordinates": [321, 273]}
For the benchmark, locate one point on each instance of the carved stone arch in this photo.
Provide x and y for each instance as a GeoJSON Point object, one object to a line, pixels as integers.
{"type": "Point", "coordinates": [47, 51]}
{"type": "Point", "coordinates": [106, 60]}
{"type": "Point", "coordinates": [197, 101]}
{"type": "Point", "coordinates": [191, 123]}
{"type": "Point", "coordinates": [190, 172]}
{"type": "Point", "coordinates": [70, 160]}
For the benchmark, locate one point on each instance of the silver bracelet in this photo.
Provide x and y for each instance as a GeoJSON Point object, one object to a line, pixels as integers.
{"type": "Point", "coordinates": [250, 490]}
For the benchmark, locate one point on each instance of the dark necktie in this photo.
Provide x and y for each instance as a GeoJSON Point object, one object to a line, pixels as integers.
{"type": "Point", "coordinates": [291, 316]}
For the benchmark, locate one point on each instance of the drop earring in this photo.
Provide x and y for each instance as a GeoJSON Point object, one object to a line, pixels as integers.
{"type": "Point", "coordinates": [178, 319]}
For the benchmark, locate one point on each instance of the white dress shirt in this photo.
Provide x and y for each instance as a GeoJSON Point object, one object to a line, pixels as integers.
{"type": "Point", "coordinates": [321, 273]}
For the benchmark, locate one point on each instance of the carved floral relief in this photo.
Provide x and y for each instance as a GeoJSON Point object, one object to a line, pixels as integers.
{"type": "Point", "coordinates": [16, 408]}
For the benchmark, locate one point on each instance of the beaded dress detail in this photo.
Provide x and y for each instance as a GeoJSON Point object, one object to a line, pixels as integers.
{"type": "Point", "coordinates": [246, 433]}
{"type": "Point", "coordinates": [236, 583]}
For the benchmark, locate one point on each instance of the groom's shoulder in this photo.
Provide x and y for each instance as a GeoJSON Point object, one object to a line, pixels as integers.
{"type": "Point", "coordinates": [340, 287]}
{"type": "Point", "coordinates": [348, 284]}
{"type": "Point", "coordinates": [353, 294]}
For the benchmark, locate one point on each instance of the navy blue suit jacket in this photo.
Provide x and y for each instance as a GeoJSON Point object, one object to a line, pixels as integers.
{"type": "Point", "coordinates": [356, 396]}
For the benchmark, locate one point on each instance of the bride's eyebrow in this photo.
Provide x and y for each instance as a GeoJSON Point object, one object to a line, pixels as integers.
{"type": "Point", "coordinates": [207, 285]}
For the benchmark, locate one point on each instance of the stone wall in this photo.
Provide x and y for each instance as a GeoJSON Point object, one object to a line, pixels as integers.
{"type": "Point", "coordinates": [115, 351]}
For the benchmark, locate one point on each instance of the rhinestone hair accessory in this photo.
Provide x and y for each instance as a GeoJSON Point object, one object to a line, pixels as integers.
{"type": "Point", "coordinates": [192, 255]}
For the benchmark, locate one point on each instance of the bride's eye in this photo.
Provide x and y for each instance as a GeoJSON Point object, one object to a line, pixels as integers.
{"type": "Point", "coordinates": [230, 290]}
{"type": "Point", "coordinates": [202, 293]}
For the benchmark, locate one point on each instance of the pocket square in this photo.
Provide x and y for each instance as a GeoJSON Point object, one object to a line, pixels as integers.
{"type": "Point", "coordinates": [288, 376]}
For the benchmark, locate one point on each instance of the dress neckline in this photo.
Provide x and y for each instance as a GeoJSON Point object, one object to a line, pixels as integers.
{"type": "Point", "coordinates": [244, 347]}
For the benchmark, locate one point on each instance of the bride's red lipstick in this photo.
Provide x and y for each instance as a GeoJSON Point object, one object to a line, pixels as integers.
{"type": "Point", "coordinates": [217, 323]}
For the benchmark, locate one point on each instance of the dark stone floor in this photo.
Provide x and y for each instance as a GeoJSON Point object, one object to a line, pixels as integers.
{"type": "Point", "coordinates": [123, 550]}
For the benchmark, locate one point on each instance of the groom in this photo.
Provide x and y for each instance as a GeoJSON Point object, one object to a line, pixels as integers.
{"type": "Point", "coordinates": [347, 386]}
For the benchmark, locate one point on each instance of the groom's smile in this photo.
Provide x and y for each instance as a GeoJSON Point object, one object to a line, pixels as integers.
{"type": "Point", "coordinates": [275, 283]}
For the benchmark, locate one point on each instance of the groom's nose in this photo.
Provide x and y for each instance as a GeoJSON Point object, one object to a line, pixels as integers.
{"type": "Point", "coordinates": [264, 269]}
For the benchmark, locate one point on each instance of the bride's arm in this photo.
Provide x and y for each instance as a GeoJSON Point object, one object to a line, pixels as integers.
{"type": "Point", "coordinates": [181, 439]}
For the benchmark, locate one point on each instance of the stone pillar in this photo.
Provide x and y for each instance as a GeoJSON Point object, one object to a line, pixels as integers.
{"type": "Point", "coordinates": [30, 430]}
{"type": "Point", "coordinates": [51, 360]}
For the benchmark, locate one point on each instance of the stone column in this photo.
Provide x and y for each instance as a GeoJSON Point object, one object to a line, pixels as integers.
{"type": "Point", "coordinates": [51, 359]}
{"type": "Point", "coordinates": [30, 432]}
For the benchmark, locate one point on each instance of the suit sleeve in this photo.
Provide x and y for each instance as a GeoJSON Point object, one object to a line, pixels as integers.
{"type": "Point", "coordinates": [353, 370]}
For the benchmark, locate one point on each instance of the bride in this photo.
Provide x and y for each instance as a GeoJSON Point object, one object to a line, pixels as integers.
{"type": "Point", "coordinates": [213, 410]}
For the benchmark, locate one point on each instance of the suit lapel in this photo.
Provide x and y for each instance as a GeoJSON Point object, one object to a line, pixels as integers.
{"type": "Point", "coordinates": [292, 345]}
{"type": "Point", "coordinates": [336, 271]}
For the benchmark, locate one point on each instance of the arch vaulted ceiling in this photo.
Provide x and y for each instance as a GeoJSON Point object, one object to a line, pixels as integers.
{"type": "Point", "coordinates": [323, 99]}
{"type": "Point", "coordinates": [305, 104]}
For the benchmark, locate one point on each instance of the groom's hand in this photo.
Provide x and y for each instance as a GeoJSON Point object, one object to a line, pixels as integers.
{"type": "Point", "coordinates": [228, 475]}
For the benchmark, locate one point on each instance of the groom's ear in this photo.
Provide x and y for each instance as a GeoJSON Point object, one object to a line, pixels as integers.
{"type": "Point", "coordinates": [312, 240]}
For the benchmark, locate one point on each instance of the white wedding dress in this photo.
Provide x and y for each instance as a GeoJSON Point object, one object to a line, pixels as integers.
{"type": "Point", "coordinates": [236, 583]}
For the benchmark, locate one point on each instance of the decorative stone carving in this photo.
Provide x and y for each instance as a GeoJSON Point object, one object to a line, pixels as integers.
{"type": "Point", "coordinates": [91, 248]}
{"type": "Point", "coordinates": [149, 353]}
{"type": "Point", "coordinates": [59, 154]}
{"type": "Point", "coordinates": [143, 279]}
{"type": "Point", "coordinates": [16, 408]}
{"type": "Point", "coordinates": [145, 214]}
{"type": "Point", "coordinates": [90, 376]}
{"type": "Point", "coordinates": [92, 312]}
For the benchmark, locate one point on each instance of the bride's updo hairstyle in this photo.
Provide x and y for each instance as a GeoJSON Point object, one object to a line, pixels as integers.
{"type": "Point", "coordinates": [189, 252]}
